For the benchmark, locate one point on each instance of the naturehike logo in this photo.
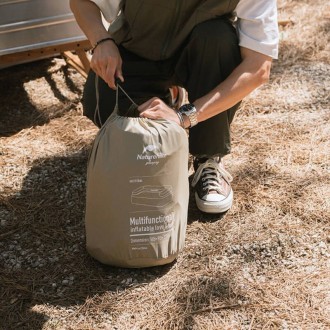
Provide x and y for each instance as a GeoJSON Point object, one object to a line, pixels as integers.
{"type": "Point", "coordinates": [150, 154]}
{"type": "Point", "coordinates": [149, 148]}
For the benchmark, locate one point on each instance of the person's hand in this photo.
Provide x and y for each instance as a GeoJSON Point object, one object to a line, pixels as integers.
{"type": "Point", "coordinates": [155, 108]}
{"type": "Point", "coordinates": [106, 63]}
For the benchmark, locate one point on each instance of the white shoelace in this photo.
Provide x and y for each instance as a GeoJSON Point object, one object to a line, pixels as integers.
{"type": "Point", "coordinates": [212, 173]}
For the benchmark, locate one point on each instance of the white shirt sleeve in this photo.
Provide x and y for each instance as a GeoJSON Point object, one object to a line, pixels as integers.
{"type": "Point", "coordinates": [257, 26]}
{"type": "Point", "coordinates": [109, 8]}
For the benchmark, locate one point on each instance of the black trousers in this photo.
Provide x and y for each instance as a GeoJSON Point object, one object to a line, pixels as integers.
{"type": "Point", "coordinates": [207, 58]}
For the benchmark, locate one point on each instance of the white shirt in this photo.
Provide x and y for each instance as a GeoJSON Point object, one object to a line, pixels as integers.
{"type": "Point", "coordinates": [257, 26]}
{"type": "Point", "coordinates": [256, 23]}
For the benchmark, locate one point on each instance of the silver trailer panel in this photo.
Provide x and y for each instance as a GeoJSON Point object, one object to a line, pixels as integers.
{"type": "Point", "coordinates": [32, 24]}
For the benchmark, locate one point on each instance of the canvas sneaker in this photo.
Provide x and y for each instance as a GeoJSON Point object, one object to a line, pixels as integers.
{"type": "Point", "coordinates": [211, 181]}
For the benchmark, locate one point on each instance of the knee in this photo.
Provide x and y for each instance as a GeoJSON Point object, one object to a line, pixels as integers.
{"type": "Point", "coordinates": [217, 35]}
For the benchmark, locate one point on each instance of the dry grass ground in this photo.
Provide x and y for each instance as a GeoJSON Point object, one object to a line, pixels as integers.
{"type": "Point", "coordinates": [264, 265]}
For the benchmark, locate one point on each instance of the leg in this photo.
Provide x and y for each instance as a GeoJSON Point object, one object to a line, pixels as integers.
{"type": "Point", "coordinates": [144, 79]}
{"type": "Point", "coordinates": [210, 55]}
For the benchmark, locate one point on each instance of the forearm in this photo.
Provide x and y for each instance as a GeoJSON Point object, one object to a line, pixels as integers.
{"type": "Point", "coordinates": [250, 74]}
{"type": "Point", "coordinates": [88, 17]}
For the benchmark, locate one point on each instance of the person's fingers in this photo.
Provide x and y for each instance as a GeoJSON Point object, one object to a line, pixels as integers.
{"type": "Point", "coordinates": [97, 66]}
{"type": "Point", "coordinates": [149, 104]}
{"type": "Point", "coordinates": [102, 68]}
{"type": "Point", "coordinates": [144, 106]}
{"type": "Point", "coordinates": [119, 75]}
{"type": "Point", "coordinates": [155, 114]}
{"type": "Point", "coordinates": [119, 72]}
{"type": "Point", "coordinates": [115, 73]}
{"type": "Point", "coordinates": [109, 76]}
{"type": "Point", "coordinates": [150, 113]}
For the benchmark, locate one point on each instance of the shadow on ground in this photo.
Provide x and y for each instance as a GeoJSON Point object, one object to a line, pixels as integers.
{"type": "Point", "coordinates": [44, 260]}
{"type": "Point", "coordinates": [17, 112]}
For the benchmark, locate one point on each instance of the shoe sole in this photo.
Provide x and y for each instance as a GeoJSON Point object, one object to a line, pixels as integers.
{"type": "Point", "coordinates": [215, 207]}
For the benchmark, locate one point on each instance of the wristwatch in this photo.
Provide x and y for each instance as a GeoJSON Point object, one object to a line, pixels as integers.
{"type": "Point", "coordinates": [190, 111]}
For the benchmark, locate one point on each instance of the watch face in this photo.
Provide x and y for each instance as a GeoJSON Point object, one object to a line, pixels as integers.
{"type": "Point", "coordinates": [188, 108]}
{"type": "Point", "coordinates": [190, 111]}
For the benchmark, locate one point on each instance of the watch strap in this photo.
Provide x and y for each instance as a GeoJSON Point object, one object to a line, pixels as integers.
{"type": "Point", "coordinates": [190, 111]}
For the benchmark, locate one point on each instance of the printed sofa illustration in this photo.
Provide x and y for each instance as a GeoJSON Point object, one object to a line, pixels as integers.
{"type": "Point", "coordinates": [152, 196]}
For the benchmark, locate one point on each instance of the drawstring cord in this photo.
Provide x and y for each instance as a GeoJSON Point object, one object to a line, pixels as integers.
{"type": "Point", "coordinates": [97, 114]}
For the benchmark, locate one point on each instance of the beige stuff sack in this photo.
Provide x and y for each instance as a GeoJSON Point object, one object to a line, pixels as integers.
{"type": "Point", "coordinates": [137, 191]}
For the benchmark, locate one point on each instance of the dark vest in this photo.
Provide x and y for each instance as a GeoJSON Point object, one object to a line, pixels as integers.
{"type": "Point", "coordinates": [155, 29]}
